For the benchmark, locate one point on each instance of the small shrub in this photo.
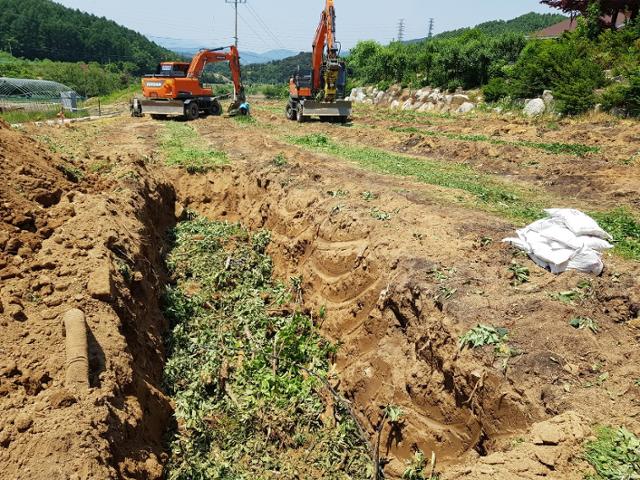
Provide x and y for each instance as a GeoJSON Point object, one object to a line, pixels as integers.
{"type": "Point", "coordinates": [483, 335]}
{"type": "Point", "coordinates": [582, 323]}
{"type": "Point", "coordinates": [575, 97]}
{"type": "Point", "coordinates": [275, 92]}
{"type": "Point", "coordinates": [496, 89]}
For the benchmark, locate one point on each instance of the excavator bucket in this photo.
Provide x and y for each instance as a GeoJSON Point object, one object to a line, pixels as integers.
{"type": "Point", "coordinates": [340, 108]}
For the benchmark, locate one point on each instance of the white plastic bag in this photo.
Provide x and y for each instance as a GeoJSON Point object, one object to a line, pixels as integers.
{"type": "Point", "coordinates": [567, 240]}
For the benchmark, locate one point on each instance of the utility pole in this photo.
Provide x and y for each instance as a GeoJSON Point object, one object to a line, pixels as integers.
{"type": "Point", "coordinates": [431, 23]}
{"type": "Point", "coordinates": [235, 3]}
{"type": "Point", "coordinates": [401, 30]}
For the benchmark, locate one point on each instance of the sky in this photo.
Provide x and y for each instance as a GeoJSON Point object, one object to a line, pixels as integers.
{"type": "Point", "coordinates": [290, 24]}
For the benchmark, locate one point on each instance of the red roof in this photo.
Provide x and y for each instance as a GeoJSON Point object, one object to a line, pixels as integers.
{"type": "Point", "coordinates": [570, 24]}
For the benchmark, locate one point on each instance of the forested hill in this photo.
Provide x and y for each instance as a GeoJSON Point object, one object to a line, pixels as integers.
{"type": "Point", "coordinates": [44, 29]}
{"type": "Point", "coordinates": [525, 24]}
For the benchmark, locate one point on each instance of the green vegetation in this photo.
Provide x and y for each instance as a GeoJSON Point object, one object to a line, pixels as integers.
{"type": "Point", "coordinates": [183, 147]}
{"type": "Point", "coordinates": [583, 323]}
{"type": "Point", "coordinates": [488, 192]}
{"type": "Point", "coordinates": [44, 29]}
{"type": "Point", "coordinates": [417, 469]}
{"type": "Point", "coordinates": [24, 116]}
{"type": "Point", "coordinates": [89, 80]}
{"type": "Point", "coordinates": [248, 372]}
{"type": "Point", "coordinates": [276, 72]}
{"type": "Point", "coordinates": [554, 147]}
{"type": "Point", "coordinates": [624, 226]}
{"type": "Point", "coordinates": [615, 455]}
{"type": "Point", "coordinates": [482, 335]}
{"type": "Point", "coordinates": [519, 274]}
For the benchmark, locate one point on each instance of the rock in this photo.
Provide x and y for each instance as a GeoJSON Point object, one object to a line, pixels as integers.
{"type": "Point", "coordinates": [546, 434]}
{"type": "Point", "coordinates": [378, 98]}
{"type": "Point", "coordinates": [4, 238]}
{"type": "Point", "coordinates": [13, 245]}
{"type": "Point", "coordinates": [547, 98]}
{"type": "Point", "coordinates": [459, 99]}
{"type": "Point", "coordinates": [23, 421]}
{"type": "Point", "coordinates": [99, 285]}
{"type": "Point", "coordinates": [427, 107]}
{"type": "Point", "coordinates": [395, 105]}
{"type": "Point", "coordinates": [48, 198]}
{"type": "Point", "coordinates": [407, 105]}
{"type": "Point", "coordinates": [466, 107]}
{"type": "Point", "coordinates": [5, 438]}
{"type": "Point", "coordinates": [62, 399]}
{"type": "Point", "coordinates": [547, 456]}
{"type": "Point", "coordinates": [534, 107]}
{"type": "Point", "coordinates": [16, 312]}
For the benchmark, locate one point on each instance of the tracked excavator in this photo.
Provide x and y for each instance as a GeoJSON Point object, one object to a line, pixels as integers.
{"type": "Point", "coordinates": [321, 91]}
{"type": "Point", "coordinates": [176, 88]}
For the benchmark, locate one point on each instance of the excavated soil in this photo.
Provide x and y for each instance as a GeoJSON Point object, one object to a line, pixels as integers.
{"type": "Point", "coordinates": [398, 293]}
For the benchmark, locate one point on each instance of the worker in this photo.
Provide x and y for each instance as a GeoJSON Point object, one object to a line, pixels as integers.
{"type": "Point", "coordinates": [244, 108]}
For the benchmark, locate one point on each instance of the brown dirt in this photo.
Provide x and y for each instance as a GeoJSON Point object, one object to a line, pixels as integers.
{"type": "Point", "coordinates": [398, 295]}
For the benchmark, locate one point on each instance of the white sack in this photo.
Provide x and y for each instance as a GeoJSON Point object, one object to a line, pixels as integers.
{"type": "Point", "coordinates": [567, 240]}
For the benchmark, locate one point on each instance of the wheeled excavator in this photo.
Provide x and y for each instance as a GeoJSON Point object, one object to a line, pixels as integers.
{"type": "Point", "coordinates": [321, 92]}
{"type": "Point", "coordinates": [176, 88]}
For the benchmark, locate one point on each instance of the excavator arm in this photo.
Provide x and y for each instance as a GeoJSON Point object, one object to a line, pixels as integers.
{"type": "Point", "coordinates": [204, 57]}
{"type": "Point", "coordinates": [325, 37]}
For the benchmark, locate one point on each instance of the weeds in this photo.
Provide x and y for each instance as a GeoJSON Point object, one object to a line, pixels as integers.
{"type": "Point", "coordinates": [487, 191]}
{"type": "Point", "coordinates": [614, 454]}
{"type": "Point", "coordinates": [337, 193]}
{"type": "Point", "coordinates": [482, 335]}
{"type": "Point", "coordinates": [417, 469]}
{"type": "Point", "coordinates": [625, 229]}
{"type": "Point", "coordinates": [576, 149]}
{"type": "Point", "coordinates": [100, 167]}
{"type": "Point", "coordinates": [380, 215]}
{"type": "Point", "coordinates": [582, 323]}
{"type": "Point", "coordinates": [71, 173]}
{"type": "Point", "coordinates": [247, 371]}
{"type": "Point", "coordinates": [369, 196]}
{"type": "Point", "coordinates": [280, 160]}
{"type": "Point", "coordinates": [184, 148]}
{"type": "Point", "coordinates": [519, 274]}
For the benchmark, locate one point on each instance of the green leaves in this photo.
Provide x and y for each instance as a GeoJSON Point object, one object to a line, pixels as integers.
{"type": "Point", "coordinates": [615, 454]}
{"type": "Point", "coordinates": [246, 369]}
{"type": "Point", "coordinates": [482, 335]}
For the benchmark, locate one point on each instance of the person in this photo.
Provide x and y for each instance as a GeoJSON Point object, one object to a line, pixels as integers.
{"type": "Point", "coordinates": [244, 108]}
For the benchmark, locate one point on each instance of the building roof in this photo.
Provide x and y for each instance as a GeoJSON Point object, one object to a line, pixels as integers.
{"type": "Point", "coordinates": [570, 24]}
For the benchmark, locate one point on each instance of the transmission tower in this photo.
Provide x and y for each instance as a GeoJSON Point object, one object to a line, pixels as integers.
{"type": "Point", "coordinates": [235, 3]}
{"type": "Point", "coordinates": [401, 30]}
{"type": "Point", "coordinates": [431, 23]}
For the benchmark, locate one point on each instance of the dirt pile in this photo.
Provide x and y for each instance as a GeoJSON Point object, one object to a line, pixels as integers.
{"type": "Point", "coordinates": [97, 251]}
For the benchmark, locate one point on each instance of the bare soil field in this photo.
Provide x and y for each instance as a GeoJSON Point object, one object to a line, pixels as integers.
{"type": "Point", "coordinates": [393, 224]}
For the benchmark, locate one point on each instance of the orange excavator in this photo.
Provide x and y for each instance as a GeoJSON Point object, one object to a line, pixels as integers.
{"type": "Point", "coordinates": [321, 92]}
{"type": "Point", "coordinates": [176, 88]}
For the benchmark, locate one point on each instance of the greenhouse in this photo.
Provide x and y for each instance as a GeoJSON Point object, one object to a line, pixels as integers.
{"type": "Point", "coordinates": [35, 93]}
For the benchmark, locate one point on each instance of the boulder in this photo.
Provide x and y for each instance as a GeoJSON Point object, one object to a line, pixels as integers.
{"type": "Point", "coordinates": [379, 98]}
{"type": "Point", "coordinates": [458, 99]}
{"type": "Point", "coordinates": [427, 107]}
{"type": "Point", "coordinates": [395, 105]}
{"type": "Point", "coordinates": [466, 107]}
{"type": "Point", "coordinates": [534, 108]}
{"type": "Point", "coordinates": [407, 105]}
{"type": "Point", "coordinates": [547, 97]}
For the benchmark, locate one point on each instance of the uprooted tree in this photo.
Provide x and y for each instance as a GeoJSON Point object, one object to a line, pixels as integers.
{"type": "Point", "coordinates": [612, 8]}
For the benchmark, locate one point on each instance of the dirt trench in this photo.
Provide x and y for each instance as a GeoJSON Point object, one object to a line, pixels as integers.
{"type": "Point", "coordinates": [398, 294]}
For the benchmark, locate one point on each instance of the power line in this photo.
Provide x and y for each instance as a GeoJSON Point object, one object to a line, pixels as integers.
{"type": "Point", "coordinates": [401, 30]}
{"type": "Point", "coordinates": [264, 25]}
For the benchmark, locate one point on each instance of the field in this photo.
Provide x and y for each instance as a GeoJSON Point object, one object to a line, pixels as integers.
{"type": "Point", "coordinates": [271, 299]}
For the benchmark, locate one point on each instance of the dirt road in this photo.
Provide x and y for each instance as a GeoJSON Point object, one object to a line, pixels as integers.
{"type": "Point", "coordinates": [403, 261]}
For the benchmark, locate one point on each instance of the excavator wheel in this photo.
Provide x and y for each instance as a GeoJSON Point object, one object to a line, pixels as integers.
{"type": "Point", "coordinates": [215, 109]}
{"type": "Point", "coordinates": [291, 112]}
{"type": "Point", "coordinates": [192, 111]}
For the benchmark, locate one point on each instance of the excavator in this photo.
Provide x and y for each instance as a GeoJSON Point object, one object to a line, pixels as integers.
{"type": "Point", "coordinates": [321, 92]}
{"type": "Point", "coordinates": [176, 88]}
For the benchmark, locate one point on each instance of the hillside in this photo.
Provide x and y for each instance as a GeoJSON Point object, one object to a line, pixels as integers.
{"type": "Point", "coordinates": [275, 72]}
{"type": "Point", "coordinates": [525, 24]}
{"type": "Point", "coordinates": [37, 29]}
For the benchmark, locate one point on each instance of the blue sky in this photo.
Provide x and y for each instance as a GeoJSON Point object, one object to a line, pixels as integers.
{"type": "Point", "coordinates": [290, 24]}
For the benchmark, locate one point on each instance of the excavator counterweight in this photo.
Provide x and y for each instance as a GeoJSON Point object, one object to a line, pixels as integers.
{"type": "Point", "coordinates": [321, 92]}
{"type": "Point", "coordinates": [176, 87]}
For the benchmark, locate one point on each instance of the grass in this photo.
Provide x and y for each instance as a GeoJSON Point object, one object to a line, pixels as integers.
{"type": "Point", "coordinates": [488, 192]}
{"type": "Point", "coordinates": [22, 116]}
{"type": "Point", "coordinates": [516, 203]}
{"type": "Point", "coordinates": [183, 147]}
{"type": "Point", "coordinates": [247, 370]}
{"type": "Point", "coordinates": [614, 455]}
{"type": "Point", "coordinates": [576, 149]}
